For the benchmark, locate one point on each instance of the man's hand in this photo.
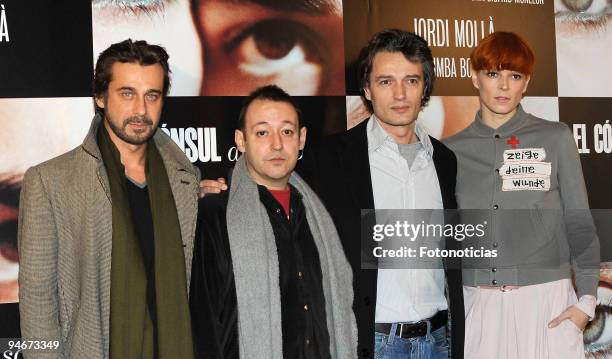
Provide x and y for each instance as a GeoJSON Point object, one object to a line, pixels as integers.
{"type": "Point", "coordinates": [577, 316]}
{"type": "Point", "coordinates": [212, 186]}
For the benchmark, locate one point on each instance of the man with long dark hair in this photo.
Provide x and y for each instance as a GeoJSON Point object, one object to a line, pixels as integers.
{"type": "Point", "coordinates": [106, 230]}
{"type": "Point", "coordinates": [390, 162]}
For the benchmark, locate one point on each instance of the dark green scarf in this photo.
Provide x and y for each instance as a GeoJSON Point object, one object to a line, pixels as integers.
{"type": "Point", "coordinates": [131, 327]}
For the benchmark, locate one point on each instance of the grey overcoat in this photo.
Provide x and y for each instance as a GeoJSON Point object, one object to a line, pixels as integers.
{"type": "Point", "coordinates": [65, 241]}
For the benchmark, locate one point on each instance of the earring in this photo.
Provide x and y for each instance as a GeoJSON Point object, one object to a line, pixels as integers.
{"type": "Point", "coordinates": [300, 154]}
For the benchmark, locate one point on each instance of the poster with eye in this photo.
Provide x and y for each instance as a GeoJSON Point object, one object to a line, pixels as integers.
{"type": "Point", "coordinates": [584, 54]}
{"type": "Point", "coordinates": [229, 48]}
{"type": "Point", "coordinates": [584, 34]}
{"type": "Point", "coordinates": [453, 29]}
{"type": "Point", "coordinates": [33, 130]}
{"type": "Point", "coordinates": [598, 336]}
{"type": "Point", "coordinates": [161, 22]}
{"type": "Point", "coordinates": [42, 54]}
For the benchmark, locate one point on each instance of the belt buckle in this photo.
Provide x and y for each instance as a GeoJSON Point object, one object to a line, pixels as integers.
{"type": "Point", "coordinates": [504, 288]}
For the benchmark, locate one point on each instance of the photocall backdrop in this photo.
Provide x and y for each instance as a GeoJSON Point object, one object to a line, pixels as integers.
{"type": "Point", "coordinates": [221, 50]}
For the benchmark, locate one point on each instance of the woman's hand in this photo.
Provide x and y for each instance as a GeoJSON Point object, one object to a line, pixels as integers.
{"type": "Point", "coordinates": [577, 316]}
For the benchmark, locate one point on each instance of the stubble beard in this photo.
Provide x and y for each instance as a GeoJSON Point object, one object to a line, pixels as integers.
{"type": "Point", "coordinates": [121, 132]}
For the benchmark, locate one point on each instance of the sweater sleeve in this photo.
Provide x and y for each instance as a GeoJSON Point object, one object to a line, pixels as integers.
{"type": "Point", "coordinates": [581, 233]}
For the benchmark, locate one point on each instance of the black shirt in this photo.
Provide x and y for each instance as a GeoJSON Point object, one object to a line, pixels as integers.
{"type": "Point", "coordinates": [142, 219]}
{"type": "Point", "coordinates": [304, 322]}
{"type": "Point", "coordinates": [213, 300]}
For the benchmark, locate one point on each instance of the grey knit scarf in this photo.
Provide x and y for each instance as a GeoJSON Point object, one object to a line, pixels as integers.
{"type": "Point", "coordinates": [255, 262]}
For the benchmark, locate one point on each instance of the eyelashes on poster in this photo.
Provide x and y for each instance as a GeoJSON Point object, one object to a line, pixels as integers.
{"type": "Point", "coordinates": [293, 44]}
{"type": "Point", "coordinates": [598, 336]}
{"type": "Point", "coordinates": [585, 28]}
{"type": "Point", "coordinates": [164, 22]}
{"type": "Point", "coordinates": [222, 49]}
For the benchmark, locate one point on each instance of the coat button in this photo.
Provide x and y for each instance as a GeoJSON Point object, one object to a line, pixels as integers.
{"type": "Point", "coordinates": [494, 269]}
{"type": "Point", "coordinates": [494, 281]}
{"type": "Point", "coordinates": [496, 136]}
{"type": "Point", "coordinates": [306, 307]}
{"type": "Point", "coordinates": [495, 206]}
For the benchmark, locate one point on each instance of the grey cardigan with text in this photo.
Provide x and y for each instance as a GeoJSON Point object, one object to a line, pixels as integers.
{"type": "Point", "coordinates": [534, 201]}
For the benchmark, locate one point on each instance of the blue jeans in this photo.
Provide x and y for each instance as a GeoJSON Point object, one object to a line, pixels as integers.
{"type": "Point", "coordinates": [431, 346]}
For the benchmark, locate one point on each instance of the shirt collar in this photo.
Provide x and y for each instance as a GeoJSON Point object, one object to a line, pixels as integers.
{"type": "Point", "coordinates": [377, 137]}
{"type": "Point", "coordinates": [263, 190]}
{"type": "Point", "coordinates": [507, 128]}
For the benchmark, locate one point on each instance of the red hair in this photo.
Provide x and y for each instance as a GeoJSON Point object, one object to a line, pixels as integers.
{"type": "Point", "coordinates": [503, 51]}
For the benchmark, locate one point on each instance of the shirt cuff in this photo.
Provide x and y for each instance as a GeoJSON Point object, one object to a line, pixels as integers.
{"type": "Point", "coordinates": [587, 304]}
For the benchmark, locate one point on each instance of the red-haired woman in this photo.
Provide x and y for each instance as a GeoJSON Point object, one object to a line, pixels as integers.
{"type": "Point", "coordinates": [525, 171]}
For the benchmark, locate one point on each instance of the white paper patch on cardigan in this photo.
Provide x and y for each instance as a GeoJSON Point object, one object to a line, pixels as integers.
{"type": "Point", "coordinates": [524, 170]}
{"type": "Point", "coordinates": [524, 154]}
{"type": "Point", "coordinates": [526, 184]}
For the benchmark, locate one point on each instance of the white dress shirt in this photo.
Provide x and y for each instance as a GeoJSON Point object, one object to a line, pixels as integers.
{"type": "Point", "coordinates": [405, 295]}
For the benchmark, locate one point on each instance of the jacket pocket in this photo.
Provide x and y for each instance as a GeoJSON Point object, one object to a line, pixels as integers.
{"type": "Point", "coordinates": [68, 319]}
{"type": "Point", "coordinates": [539, 225]}
{"type": "Point", "coordinates": [547, 225]}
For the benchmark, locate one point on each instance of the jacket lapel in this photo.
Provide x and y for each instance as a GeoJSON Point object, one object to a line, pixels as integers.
{"type": "Point", "coordinates": [356, 168]}
{"type": "Point", "coordinates": [446, 177]}
{"type": "Point", "coordinates": [103, 178]}
{"type": "Point", "coordinates": [90, 145]}
{"type": "Point", "coordinates": [356, 163]}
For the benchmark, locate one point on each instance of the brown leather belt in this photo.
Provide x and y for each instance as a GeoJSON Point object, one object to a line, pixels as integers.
{"type": "Point", "coordinates": [413, 330]}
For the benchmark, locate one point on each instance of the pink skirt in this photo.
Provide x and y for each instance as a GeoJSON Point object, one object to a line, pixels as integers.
{"type": "Point", "coordinates": [514, 324]}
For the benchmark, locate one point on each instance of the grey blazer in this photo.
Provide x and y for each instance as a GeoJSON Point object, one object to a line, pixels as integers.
{"type": "Point", "coordinates": [65, 240]}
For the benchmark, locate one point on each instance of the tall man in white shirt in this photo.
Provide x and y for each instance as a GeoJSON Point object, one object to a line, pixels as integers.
{"type": "Point", "coordinates": [389, 162]}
